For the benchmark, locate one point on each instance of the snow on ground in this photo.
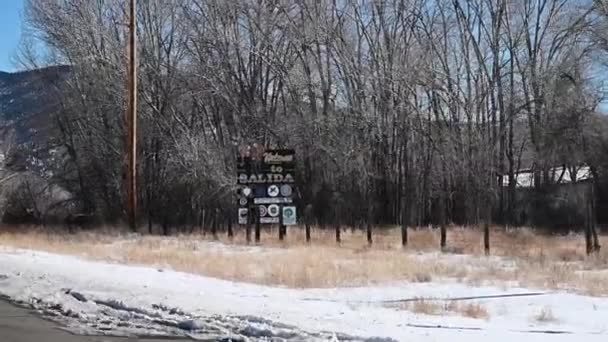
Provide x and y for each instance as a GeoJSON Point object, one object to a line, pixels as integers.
{"type": "Point", "coordinates": [98, 297]}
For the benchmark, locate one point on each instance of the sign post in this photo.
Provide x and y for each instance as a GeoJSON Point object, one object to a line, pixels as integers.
{"type": "Point", "coordinates": [282, 228]}
{"type": "Point", "coordinates": [248, 226]}
{"type": "Point", "coordinates": [257, 225]}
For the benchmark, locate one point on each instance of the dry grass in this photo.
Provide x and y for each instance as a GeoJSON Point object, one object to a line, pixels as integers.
{"type": "Point", "coordinates": [426, 307]}
{"type": "Point", "coordinates": [439, 308]}
{"type": "Point", "coordinates": [545, 315]}
{"type": "Point", "coordinates": [474, 310]}
{"type": "Point", "coordinates": [296, 266]}
{"type": "Point", "coordinates": [528, 259]}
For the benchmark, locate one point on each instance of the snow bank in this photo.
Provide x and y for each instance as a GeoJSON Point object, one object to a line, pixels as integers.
{"type": "Point", "coordinates": [117, 299]}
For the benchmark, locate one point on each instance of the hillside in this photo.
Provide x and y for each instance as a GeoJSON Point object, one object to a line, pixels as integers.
{"type": "Point", "coordinates": [27, 100]}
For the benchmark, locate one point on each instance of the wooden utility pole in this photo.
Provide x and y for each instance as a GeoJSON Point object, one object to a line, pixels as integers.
{"type": "Point", "coordinates": [131, 119]}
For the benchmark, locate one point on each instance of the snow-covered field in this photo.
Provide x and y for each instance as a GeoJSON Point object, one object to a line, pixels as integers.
{"type": "Point", "coordinates": [116, 299]}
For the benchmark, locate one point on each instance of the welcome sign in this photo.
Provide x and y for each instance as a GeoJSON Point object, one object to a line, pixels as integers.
{"type": "Point", "coordinates": [267, 177]}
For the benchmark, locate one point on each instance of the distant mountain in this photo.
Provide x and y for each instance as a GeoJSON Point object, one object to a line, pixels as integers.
{"type": "Point", "coordinates": [27, 100]}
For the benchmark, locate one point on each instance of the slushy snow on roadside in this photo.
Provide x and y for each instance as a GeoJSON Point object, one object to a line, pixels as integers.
{"type": "Point", "coordinates": [96, 297]}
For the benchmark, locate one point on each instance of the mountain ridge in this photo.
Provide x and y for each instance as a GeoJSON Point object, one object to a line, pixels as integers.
{"type": "Point", "coordinates": [27, 100]}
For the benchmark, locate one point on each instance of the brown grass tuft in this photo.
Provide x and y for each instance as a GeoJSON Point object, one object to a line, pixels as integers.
{"type": "Point", "coordinates": [431, 307]}
{"type": "Point", "coordinates": [474, 310]}
{"type": "Point", "coordinates": [426, 307]}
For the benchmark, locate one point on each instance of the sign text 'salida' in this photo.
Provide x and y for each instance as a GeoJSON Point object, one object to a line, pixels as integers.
{"type": "Point", "coordinates": [262, 178]}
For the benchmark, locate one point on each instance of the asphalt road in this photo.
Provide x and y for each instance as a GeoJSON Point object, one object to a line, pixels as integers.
{"type": "Point", "coordinates": [21, 325]}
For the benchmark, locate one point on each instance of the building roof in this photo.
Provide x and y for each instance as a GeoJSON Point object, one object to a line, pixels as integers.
{"type": "Point", "coordinates": [560, 174]}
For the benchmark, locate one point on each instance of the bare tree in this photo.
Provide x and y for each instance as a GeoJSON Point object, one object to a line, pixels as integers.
{"type": "Point", "coordinates": [413, 112]}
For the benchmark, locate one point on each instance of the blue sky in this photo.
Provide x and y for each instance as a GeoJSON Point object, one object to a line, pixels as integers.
{"type": "Point", "coordinates": [10, 29]}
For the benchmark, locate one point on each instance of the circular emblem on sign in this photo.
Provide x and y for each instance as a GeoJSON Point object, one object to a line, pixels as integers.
{"type": "Point", "coordinates": [286, 190]}
{"type": "Point", "coordinates": [263, 210]}
{"type": "Point", "coordinates": [288, 212]}
{"type": "Point", "coordinates": [243, 201]}
{"type": "Point", "coordinates": [273, 191]}
{"type": "Point", "coordinates": [273, 210]}
{"type": "Point", "coordinates": [246, 191]}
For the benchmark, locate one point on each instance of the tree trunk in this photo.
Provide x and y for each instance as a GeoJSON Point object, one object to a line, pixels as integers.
{"type": "Point", "coordinates": [588, 237]}
{"type": "Point", "coordinates": [201, 221]}
{"type": "Point", "coordinates": [596, 242]}
{"type": "Point", "coordinates": [230, 232]}
{"type": "Point", "coordinates": [307, 233]}
{"type": "Point", "coordinates": [591, 240]}
{"type": "Point", "coordinates": [149, 221]}
{"type": "Point", "coordinates": [214, 224]}
{"type": "Point", "coordinates": [486, 238]}
{"type": "Point", "coordinates": [442, 219]}
{"type": "Point", "coordinates": [308, 220]}
{"type": "Point", "coordinates": [338, 239]}
{"type": "Point", "coordinates": [407, 196]}
{"type": "Point", "coordinates": [486, 228]}
{"type": "Point", "coordinates": [511, 199]}
{"type": "Point", "coordinates": [165, 228]}
{"type": "Point", "coordinates": [443, 237]}
{"type": "Point", "coordinates": [404, 232]}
